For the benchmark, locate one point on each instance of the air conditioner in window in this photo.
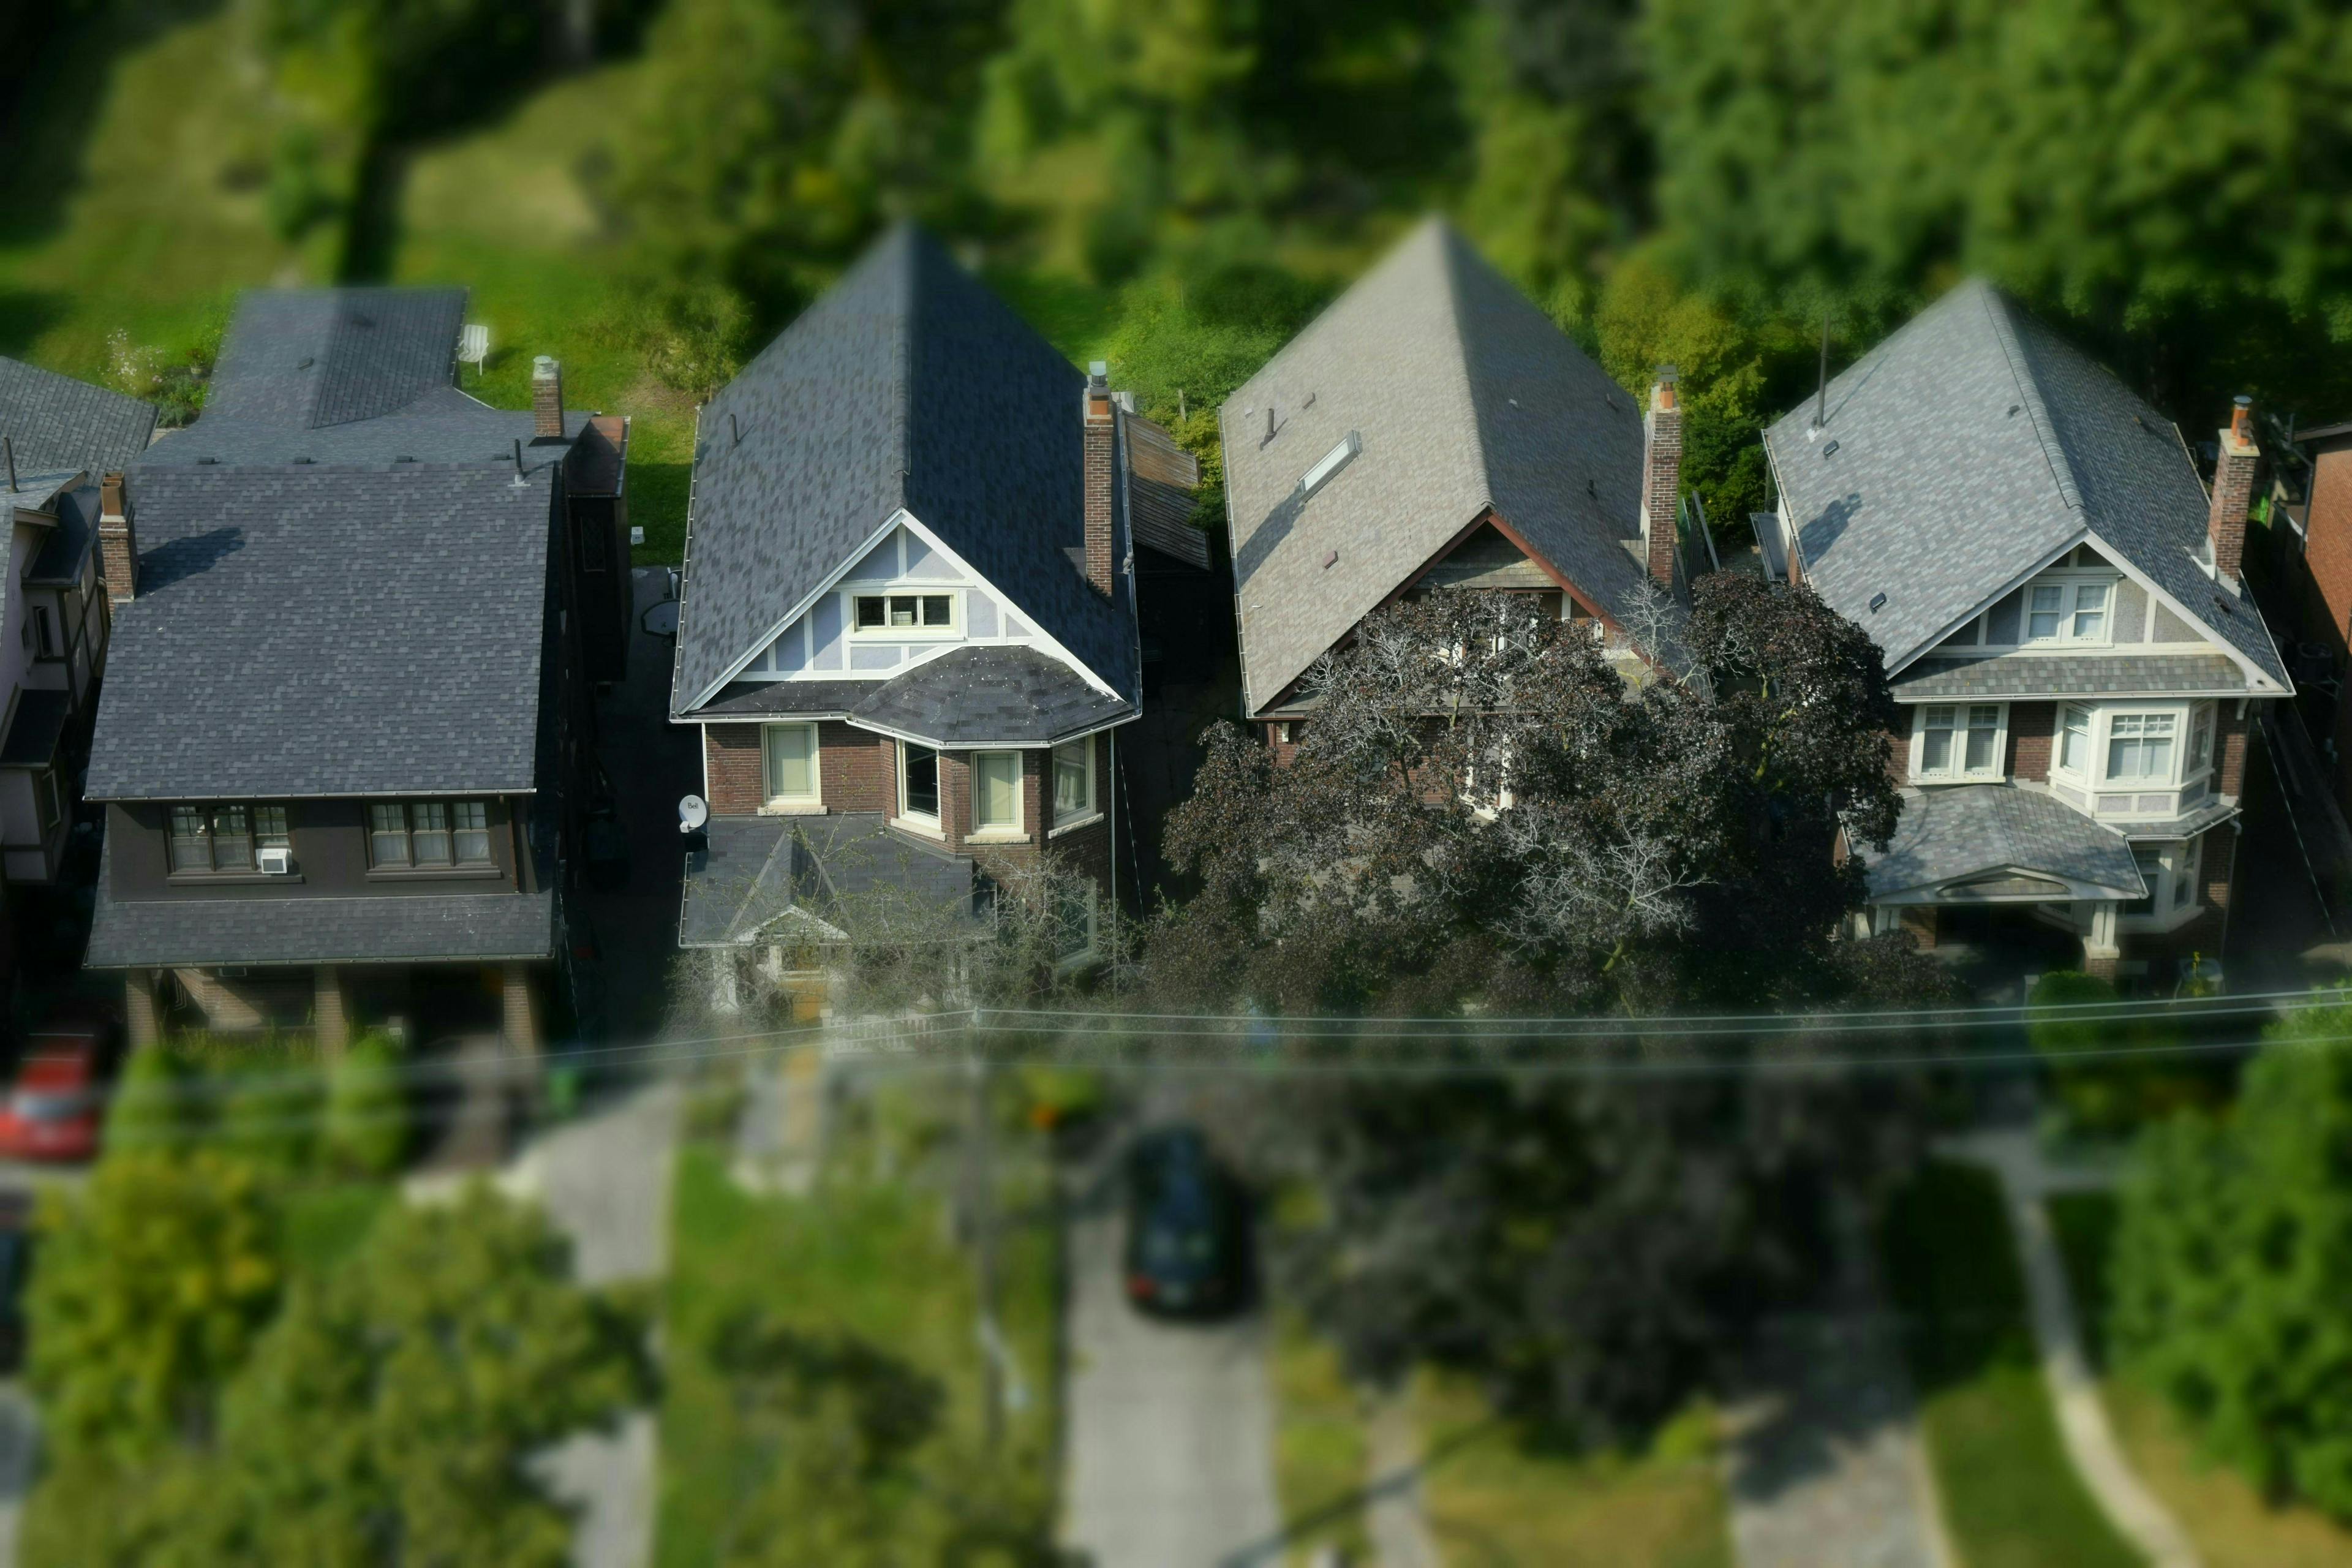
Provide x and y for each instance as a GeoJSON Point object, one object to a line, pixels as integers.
{"type": "Point", "coordinates": [277, 862]}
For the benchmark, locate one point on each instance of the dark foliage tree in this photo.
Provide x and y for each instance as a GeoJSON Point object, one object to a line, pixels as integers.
{"type": "Point", "coordinates": [1483, 814]}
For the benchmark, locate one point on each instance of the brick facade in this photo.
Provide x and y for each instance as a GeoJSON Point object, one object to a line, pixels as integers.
{"type": "Point", "coordinates": [2233, 491]}
{"type": "Point", "coordinates": [1662, 471]}
{"type": "Point", "coordinates": [1101, 437]}
{"type": "Point", "coordinates": [2327, 549]}
{"type": "Point", "coordinates": [2030, 726]}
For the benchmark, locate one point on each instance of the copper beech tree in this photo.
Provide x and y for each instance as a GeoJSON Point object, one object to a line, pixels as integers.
{"type": "Point", "coordinates": [1484, 818]}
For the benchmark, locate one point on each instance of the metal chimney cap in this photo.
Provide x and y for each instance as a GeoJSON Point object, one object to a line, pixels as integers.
{"type": "Point", "coordinates": [543, 367]}
{"type": "Point", "coordinates": [1098, 372]}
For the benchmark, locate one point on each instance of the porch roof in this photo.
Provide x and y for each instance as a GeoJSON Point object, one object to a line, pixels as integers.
{"type": "Point", "coordinates": [1973, 831]}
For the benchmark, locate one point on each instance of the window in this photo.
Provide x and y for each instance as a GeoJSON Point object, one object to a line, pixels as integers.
{"type": "Point", "coordinates": [1330, 462]}
{"type": "Point", "coordinates": [1074, 780]}
{"type": "Point", "coordinates": [996, 791]}
{"type": "Point", "coordinates": [2200, 738]}
{"type": "Point", "coordinates": [2068, 610]}
{"type": "Point", "coordinates": [918, 781]}
{"type": "Point", "coordinates": [2074, 740]}
{"type": "Point", "coordinates": [2139, 746]}
{"type": "Point", "coordinates": [1959, 741]}
{"type": "Point", "coordinates": [44, 796]}
{"type": "Point", "coordinates": [2150, 858]}
{"type": "Point", "coordinates": [426, 833]}
{"type": "Point", "coordinates": [45, 635]}
{"type": "Point", "coordinates": [1074, 924]}
{"type": "Point", "coordinates": [2184, 885]}
{"type": "Point", "coordinates": [223, 838]}
{"type": "Point", "coordinates": [790, 763]}
{"type": "Point", "coordinates": [900, 614]}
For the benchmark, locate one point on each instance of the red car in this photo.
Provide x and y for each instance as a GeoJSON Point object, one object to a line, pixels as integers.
{"type": "Point", "coordinates": [53, 1109]}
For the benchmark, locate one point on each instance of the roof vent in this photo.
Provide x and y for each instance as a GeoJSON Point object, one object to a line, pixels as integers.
{"type": "Point", "coordinates": [1877, 603]}
{"type": "Point", "coordinates": [207, 460]}
{"type": "Point", "coordinates": [2013, 408]}
{"type": "Point", "coordinates": [306, 362]}
{"type": "Point", "coordinates": [306, 459]}
{"type": "Point", "coordinates": [1331, 560]}
{"type": "Point", "coordinates": [1829, 450]}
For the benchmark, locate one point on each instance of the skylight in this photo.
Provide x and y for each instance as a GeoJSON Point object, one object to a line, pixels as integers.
{"type": "Point", "coordinates": [1349, 445]}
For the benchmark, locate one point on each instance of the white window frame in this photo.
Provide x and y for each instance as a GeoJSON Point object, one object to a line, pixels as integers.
{"type": "Point", "coordinates": [2071, 586]}
{"type": "Point", "coordinates": [1960, 773]}
{"type": "Point", "coordinates": [951, 632]}
{"type": "Point", "coordinates": [2058, 763]}
{"type": "Point", "coordinates": [2106, 778]}
{"type": "Point", "coordinates": [775, 803]}
{"type": "Point", "coordinates": [2204, 735]}
{"type": "Point", "coordinates": [1014, 831]}
{"type": "Point", "coordinates": [930, 826]}
{"type": "Point", "coordinates": [1092, 809]}
{"type": "Point", "coordinates": [2173, 899]}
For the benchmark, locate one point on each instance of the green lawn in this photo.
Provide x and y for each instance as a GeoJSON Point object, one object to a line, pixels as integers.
{"type": "Point", "coordinates": [2009, 1493]}
{"type": "Point", "coordinates": [2231, 1523]}
{"type": "Point", "coordinates": [1492, 1492]}
{"type": "Point", "coordinates": [131, 194]}
{"type": "Point", "coordinates": [865, 1256]}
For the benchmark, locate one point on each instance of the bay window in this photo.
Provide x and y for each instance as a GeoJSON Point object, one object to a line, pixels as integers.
{"type": "Point", "coordinates": [996, 791]}
{"type": "Point", "coordinates": [2074, 739]}
{"type": "Point", "coordinates": [2140, 747]}
{"type": "Point", "coordinates": [2170, 868]}
{"type": "Point", "coordinates": [1956, 740]}
{"type": "Point", "coordinates": [788, 765]}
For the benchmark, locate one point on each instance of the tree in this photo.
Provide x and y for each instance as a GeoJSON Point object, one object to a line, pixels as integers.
{"type": "Point", "coordinates": [2233, 1262]}
{"type": "Point", "coordinates": [152, 1286]}
{"type": "Point", "coordinates": [394, 1410]}
{"type": "Point", "coordinates": [1672, 842]}
{"type": "Point", "coordinates": [2141, 1079]}
{"type": "Point", "coordinates": [367, 1127]}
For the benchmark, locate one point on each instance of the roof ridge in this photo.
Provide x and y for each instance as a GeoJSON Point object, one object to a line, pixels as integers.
{"type": "Point", "coordinates": [1452, 249]}
{"type": "Point", "coordinates": [1997, 308]}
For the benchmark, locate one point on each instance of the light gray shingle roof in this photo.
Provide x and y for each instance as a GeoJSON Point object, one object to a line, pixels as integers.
{"type": "Point", "coordinates": [1467, 397]}
{"type": "Point", "coordinates": [2116, 675]}
{"type": "Point", "coordinates": [1974, 828]}
{"type": "Point", "coordinates": [57, 423]}
{"type": "Point", "coordinates": [908, 385]}
{"type": "Point", "coordinates": [1970, 449]}
{"type": "Point", "coordinates": [319, 630]}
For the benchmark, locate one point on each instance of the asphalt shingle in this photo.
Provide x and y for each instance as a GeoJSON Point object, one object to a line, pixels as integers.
{"type": "Point", "coordinates": [477, 927]}
{"type": "Point", "coordinates": [1465, 396]}
{"type": "Point", "coordinates": [1975, 829]}
{"type": "Point", "coordinates": [2117, 675]}
{"type": "Point", "coordinates": [1971, 447]}
{"type": "Point", "coordinates": [756, 870]}
{"type": "Point", "coordinates": [57, 423]}
{"type": "Point", "coordinates": [908, 385]}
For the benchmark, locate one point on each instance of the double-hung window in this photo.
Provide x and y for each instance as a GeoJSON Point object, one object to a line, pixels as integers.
{"type": "Point", "coordinates": [2200, 738]}
{"type": "Point", "coordinates": [996, 791]}
{"type": "Point", "coordinates": [919, 782]}
{"type": "Point", "coordinates": [224, 837]}
{"type": "Point", "coordinates": [789, 764]}
{"type": "Point", "coordinates": [1959, 740]}
{"type": "Point", "coordinates": [2068, 611]}
{"type": "Point", "coordinates": [2140, 747]}
{"type": "Point", "coordinates": [2074, 740]}
{"type": "Point", "coordinates": [1074, 780]}
{"type": "Point", "coordinates": [425, 835]}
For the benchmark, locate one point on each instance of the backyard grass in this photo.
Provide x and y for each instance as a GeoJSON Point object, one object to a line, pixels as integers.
{"type": "Point", "coordinates": [864, 1255]}
{"type": "Point", "coordinates": [1492, 1492]}
{"type": "Point", "coordinates": [2009, 1493]}
{"type": "Point", "coordinates": [2231, 1523]}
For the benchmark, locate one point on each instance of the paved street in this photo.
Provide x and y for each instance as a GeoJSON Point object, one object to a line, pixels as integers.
{"type": "Point", "coordinates": [1170, 1424]}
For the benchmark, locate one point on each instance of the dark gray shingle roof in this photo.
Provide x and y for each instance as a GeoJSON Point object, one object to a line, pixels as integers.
{"type": "Point", "coordinates": [317, 630]}
{"type": "Point", "coordinates": [477, 927]}
{"type": "Point", "coordinates": [1466, 397]}
{"type": "Point", "coordinates": [907, 385]}
{"type": "Point", "coordinates": [1974, 828]}
{"type": "Point", "coordinates": [55, 422]}
{"type": "Point", "coordinates": [2116, 675]}
{"type": "Point", "coordinates": [758, 869]}
{"type": "Point", "coordinates": [1968, 449]}
{"type": "Point", "coordinates": [979, 696]}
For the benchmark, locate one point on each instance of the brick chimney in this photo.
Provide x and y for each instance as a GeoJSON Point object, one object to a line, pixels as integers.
{"type": "Point", "coordinates": [2233, 491]}
{"type": "Point", "coordinates": [118, 546]}
{"type": "Point", "coordinates": [1100, 427]}
{"type": "Point", "coordinates": [546, 396]}
{"type": "Point", "coordinates": [1662, 477]}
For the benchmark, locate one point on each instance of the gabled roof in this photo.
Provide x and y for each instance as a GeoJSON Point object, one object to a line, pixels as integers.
{"type": "Point", "coordinates": [756, 871]}
{"type": "Point", "coordinates": [1971, 448]}
{"type": "Point", "coordinates": [1465, 397]}
{"type": "Point", "coordinates": [345, 376]}
{"type": "Point", "coordinates": [1973, 829]}
{"type": "Point", "coordinates": [56, 423]}
{"type": "Point", "coordinates": [311, 630]}
{"type": "Point", "coordinates": [908, 385]}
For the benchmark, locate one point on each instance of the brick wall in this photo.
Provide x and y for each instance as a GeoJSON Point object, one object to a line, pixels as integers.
{"type": "Point", "coordinates": [1898, 754]}
{"type": "Point", "coordinates": [731, 758]}
{"type": "Point", "coordinates": [2327, 549]}
{"type": "Point", "coordinates": [855, 770]}
{"type": "Point", "coordinates": [2029, 728]}
{"type": "Point", "coordinates": [2233, 495]}
{"type": "Point", "coordinates": [2229, 735]}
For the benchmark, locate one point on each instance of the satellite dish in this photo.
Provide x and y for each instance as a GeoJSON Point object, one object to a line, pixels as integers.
{"type": "Point", "coordinates": [692, 813]}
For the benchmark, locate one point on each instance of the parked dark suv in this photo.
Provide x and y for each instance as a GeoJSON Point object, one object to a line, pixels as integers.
{"type": "Point", "coordinates": [1187, 1227]}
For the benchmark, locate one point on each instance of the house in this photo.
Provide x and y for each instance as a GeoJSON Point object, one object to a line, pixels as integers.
{"type": "Point", "coordinates": [2310, 565]}
{"type": "Point", "coordinates": [908, 629]}
{"type": "Point", "coordinates": [1433, 427]}
{"type": "Point", "coordinates": [344, 745]}
{"type": "Point", "coordinates": [2065, 622]}
{"type": "Point", "coordinates": [57, 437]}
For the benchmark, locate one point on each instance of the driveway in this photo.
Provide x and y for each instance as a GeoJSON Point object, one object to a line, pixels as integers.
{"type": "Point", "coordinates": [1170, 1426]}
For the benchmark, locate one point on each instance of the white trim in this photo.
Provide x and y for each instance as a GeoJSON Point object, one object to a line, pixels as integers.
{"type": "Point", "coordinates": [933, 825]}
{"type": "Point", "coordinates": [760, 644]}
{"type": "Point", "coordinates": [1052, 791]}
{"type": "Point", "coordinates": [951, 632]}
{"type": "Point", "coordinates": [1959, 730]}
{"type": "Point", "coordinates": [792, 805]}
{"type": "Point", "coordinates": [1015, 832]}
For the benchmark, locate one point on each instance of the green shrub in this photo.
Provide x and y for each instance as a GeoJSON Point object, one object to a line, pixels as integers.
{"type": "Point", "coordinates": [2110, 1095]}
{"type": "Point", "coordinates": [153, 1107]}
{"type": "Point", "coordinates": [367, 1115]}
{"type": "Point", "coordinates": [270, 1112]}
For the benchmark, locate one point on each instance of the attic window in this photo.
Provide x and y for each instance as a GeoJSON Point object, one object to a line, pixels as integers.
{"type": "Point", "coordinates": [1352, 444]}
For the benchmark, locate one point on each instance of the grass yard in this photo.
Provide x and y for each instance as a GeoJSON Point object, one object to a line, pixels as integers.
{"type": "Point", "coordinates": [2228, 1519]}
{"type": "Point", "coordinates": [2010, 1492]}
{"type": "Point", "coordinates": [133, 193]}
{"type": "Point", "coordinates": [868, 1257]}
{"type": "Point", "coordinates": [1492, 1495]}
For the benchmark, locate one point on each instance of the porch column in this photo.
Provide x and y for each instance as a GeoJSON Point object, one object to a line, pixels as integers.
{"type": "Point", "coordinates": [2099, 950]}
{"type": "Point", "coordinates": [519, 1010]}
{"type": "Point", "coordinates": [330, 1011]}
{"type": "Point", "coordinates": [141, 1016]}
